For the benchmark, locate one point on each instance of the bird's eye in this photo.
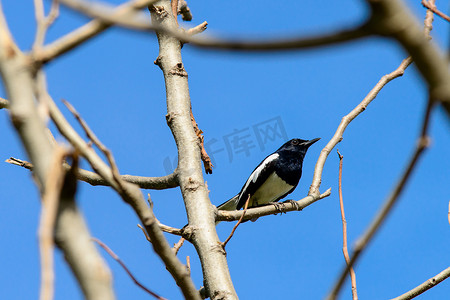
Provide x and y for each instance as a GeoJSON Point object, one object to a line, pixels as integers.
{"type": "Point", "coordinates": [294, 142]}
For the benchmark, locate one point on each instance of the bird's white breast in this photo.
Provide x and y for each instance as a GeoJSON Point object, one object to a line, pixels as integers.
{"type": "Point", "coordinates": [271, 190]}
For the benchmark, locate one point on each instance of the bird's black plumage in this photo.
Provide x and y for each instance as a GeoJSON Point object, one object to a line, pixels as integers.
{"type": "Point", "coordinates": [274, 178]}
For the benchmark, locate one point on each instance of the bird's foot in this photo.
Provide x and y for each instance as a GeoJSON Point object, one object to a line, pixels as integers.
{"type": "Point", "coordinates": [278, 206]}
{"type": "Point", "coordinates": [294, 203]}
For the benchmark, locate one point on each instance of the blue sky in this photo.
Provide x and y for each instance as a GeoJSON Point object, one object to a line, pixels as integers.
{"type": "Point", "coordinates": [113, 83]}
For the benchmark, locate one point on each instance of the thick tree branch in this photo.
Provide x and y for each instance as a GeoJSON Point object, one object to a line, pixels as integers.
{"type": "Point", "coordinates": [393, 19]}
{"type": "Point", "coordinates": [201, 229]}
{"type": "Point", "coordinates": [50, 199]}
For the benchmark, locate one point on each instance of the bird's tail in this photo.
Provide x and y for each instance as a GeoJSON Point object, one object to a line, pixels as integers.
{"type": "Point", "coordinates": [230, 204]}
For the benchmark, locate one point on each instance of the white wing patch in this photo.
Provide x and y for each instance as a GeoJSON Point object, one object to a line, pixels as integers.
{"type": "Point", "coordinates": [254, 176]}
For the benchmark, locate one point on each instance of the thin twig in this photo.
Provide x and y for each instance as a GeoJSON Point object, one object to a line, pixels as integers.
{"type": "Point", "coordinates": [43, 23]}
{"type": "Point", "coordinates": [368, 235]}
{"type": "Point", "coordinates": [188, 264]}
{"type": "Point", "coordinates": [145, 232]}
{"type": "Point", "coordinates": [122, 264]}
{"type": "Point", "coordinates": [184, 10]}
{"type": "Point", "coordinates": [237, 224]}
{"type": "Point", "coordinates": [344, 230]}
{"type": "Point", "coordinates": [21, 163]}
{"type": "Point", "coordinates": [178, 245]}
{"type": "Point", "coordinates": [205, 157]}
{"type": "Point", "coordinates": [4, 103]}
{"type": "Point", "coordinates": [174, 4]}
{"type": "Point", "coordinates": [91, 135]}
{"type": "Point", "coordinates": [431, 6]}
{"type": "Point", "coordinates": [448, 214]}
{"type": "Point", "coordinates": [50, 199]}
{"type": "Point", "coordinates": [197, 29]}
{"type": "Point", "coordinates": [425, 286]}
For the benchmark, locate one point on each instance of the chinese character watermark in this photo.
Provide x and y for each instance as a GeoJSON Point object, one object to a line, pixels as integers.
{"type": "Point", "coordinates": [240, 141]}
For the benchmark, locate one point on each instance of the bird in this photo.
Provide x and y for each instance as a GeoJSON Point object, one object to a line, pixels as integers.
{"type": "Point", "coordinates": [274, 178]}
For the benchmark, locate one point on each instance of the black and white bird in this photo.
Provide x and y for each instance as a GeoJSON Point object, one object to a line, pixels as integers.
{"type": "Point", "coordinates": [274, 178]}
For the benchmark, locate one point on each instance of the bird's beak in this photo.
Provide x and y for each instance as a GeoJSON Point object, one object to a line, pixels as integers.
{"type": "Point", "coordinates": [310, 142]}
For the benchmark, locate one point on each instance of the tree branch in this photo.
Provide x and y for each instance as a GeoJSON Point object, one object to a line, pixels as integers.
{"type": "Point", "coordinates": [201, 229]}
{"type": "Point", "coordinates": [257, 212]}
{"type": "Point", "coordinates": [137, 22]}
{"type": "Point", "coordinates": [344, 230]}
{"type": "Point", "coordinates": [85, 32]}
{"type": "Point", "coordinates": [154, 183]}
{"type": "Point", "coordinates": [434, 9]}
{"type": "Point", "coordinates": [50, 199]}
{"type": "Point", "coordinates": [131, 195]}
{"type": "Point", "coordinates": [338, 135]}
{"type": "Point", "coordinates": [362, 243]}
{"type": "Point", "coordinates": [122, 264]}
{"type": "Point", "coordinates": [425, 286]}
{"type": "Point", "coordinates": [393, 19]}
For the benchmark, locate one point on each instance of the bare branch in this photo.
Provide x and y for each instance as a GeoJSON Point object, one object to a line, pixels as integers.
{"type": "Point", "coordinates": [122, 264]}
{"type": "Point", "coordinates": [344, 230]}
{"type": "Point", "coordinates": [4, 103]}
{"type": "Point", "coordinates": [178, 245]}
{"type": "Point", "coordinates": [448, 214]}
{"type": "Point", "coordinates": [200, 230]}
{"type": "Point", "coordinates": [144, 232]}
{"type": "Point", "coordinates": [366, 238]}
{"type": "Point", "coordinates": [43, 22]}
{"type": "Point", "coordinates": [71, 233]}
{"type": "Point", "coordinates": [393, 19]}
{"type": "Point", "coordinates": [184, 10]}
{"type": "Point", "coordinates": [205, 157]}
{"type": "Point", "coordinates": [174, 4]}
{"type": "Point", "coordinates": [133, 196]}
{"type": "Point", "coordinates": [224, 244]}
{"type": "Point", "coordinates": [85, 32]}
{"type": "Point", "coordinates": [425, 286]}
{"type": "Point", "coordinates": [155, 183]}
{"type": "Point", "coordinates": [20, 163]}
{"type": "Point", "coordinates": [257, 212]}
{"type": "Point", "coordinates": [50, 199]}
{"type": "Point", "coordinates": [434, 9]}
{"type": "Point", "coordinates": [197, 29]}
{"type": "Point", "coordinates": [139, 23]}
{"type": "Point", "coordinates": [338, 135]}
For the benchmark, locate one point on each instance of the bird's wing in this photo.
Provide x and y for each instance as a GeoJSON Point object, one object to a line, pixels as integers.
{"type": "Point", "coordinates": [257, 178]}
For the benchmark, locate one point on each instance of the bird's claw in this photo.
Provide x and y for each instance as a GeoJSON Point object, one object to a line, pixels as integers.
{"type": "Point", "coordinates": [278, 206]}
{"type": "Point", "coordinates": [294, 203]}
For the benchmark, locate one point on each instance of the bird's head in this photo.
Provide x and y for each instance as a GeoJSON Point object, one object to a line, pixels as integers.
{"type": "Point", "coordinates": [298, 145]}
